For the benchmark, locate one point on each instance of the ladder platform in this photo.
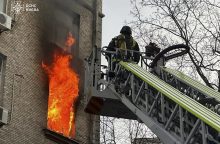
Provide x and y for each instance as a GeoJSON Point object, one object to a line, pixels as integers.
{"type": "Point", "coordinates": [106, 104]}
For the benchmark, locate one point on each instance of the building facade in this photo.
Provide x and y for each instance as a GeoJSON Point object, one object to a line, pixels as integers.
{"type": "Point", "coordinates": [35, 26]}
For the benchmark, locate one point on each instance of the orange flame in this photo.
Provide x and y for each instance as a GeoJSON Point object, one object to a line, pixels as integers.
{"type": "Point", "coordinates": [63, 92]}
{"type": "Point", "coordinates": [69, 41]}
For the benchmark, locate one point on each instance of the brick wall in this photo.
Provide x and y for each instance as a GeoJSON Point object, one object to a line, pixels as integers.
{"type": "Point", "coordinates": [22, 47]}
{"type": "Point", "coordinates": [25, 87]}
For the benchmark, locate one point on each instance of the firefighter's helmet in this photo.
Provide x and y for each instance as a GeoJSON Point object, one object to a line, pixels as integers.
{"type": "Point", "coordinates": [126, 30]}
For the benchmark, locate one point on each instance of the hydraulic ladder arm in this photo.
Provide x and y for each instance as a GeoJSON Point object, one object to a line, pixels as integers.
{"type": "Point", "coordinates": [135, 93]}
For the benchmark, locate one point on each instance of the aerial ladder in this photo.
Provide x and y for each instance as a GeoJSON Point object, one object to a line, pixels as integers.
{"type": "Point", "coordinates": [178, 109]}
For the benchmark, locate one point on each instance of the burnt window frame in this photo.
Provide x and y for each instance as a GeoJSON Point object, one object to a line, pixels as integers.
{"type": "Point", "coordinates": [76, 33]}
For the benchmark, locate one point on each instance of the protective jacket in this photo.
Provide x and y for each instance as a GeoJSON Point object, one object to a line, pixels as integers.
{"type": "Point", "coordinates": [125, 42]}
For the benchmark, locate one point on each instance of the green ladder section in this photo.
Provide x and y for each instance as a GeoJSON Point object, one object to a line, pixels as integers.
{"type": "Point", "coordinates": [193, 83]}
{"type": "Point", "coordinates": [201, 112]}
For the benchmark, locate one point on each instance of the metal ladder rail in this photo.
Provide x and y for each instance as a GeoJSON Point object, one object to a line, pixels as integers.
{"type": "Point", "coordinates": [193, 83]}
{"type": "Point", "coordinates": [168, 111]}
{"type": "Point", "coordinates": [192, 88]}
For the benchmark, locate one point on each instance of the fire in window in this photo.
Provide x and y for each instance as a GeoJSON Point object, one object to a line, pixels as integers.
{"type": "Point", "coordinates": [63, 90]}
{"type": "Point", "coordinates": [59, 63]}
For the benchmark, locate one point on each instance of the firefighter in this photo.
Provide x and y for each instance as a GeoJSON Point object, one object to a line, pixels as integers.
{"type": "Point", "coordinates": [124, 42]}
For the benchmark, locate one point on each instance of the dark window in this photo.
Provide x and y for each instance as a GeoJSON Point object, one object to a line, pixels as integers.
{"type": "Point", "coordinates": [2, 76]}
{"type": "Point", "coordinates": [2, 6]}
